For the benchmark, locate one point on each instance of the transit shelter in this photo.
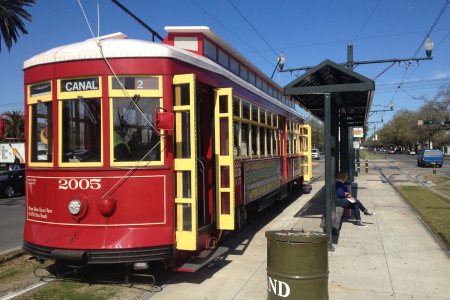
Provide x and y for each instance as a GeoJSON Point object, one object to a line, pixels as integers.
{"type": "Point", "coordinates": [341, 98]}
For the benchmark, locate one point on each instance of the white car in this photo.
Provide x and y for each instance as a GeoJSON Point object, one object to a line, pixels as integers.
{"type": "Point", "coordinates": [315, 154]}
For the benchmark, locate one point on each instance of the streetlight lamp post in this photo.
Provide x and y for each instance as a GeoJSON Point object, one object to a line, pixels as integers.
{"type": "Point", "coordinates": [280, 64]}
{"type": "Point", "coordinates": [428, 46]}
{"type": "Point", "coordinates": [351, 63]}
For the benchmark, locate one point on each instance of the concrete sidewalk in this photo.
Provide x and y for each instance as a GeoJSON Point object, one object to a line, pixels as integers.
{"type": "Point", "coordinates": [394, 258]}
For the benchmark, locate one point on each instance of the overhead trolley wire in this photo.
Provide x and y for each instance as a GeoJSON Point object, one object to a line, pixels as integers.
{"type": "Point", "coordinates": [402, 81]}
{"type": "Point", "coordinates": [229, 31]}
{"type": "Point", "coordinates": [447, 2]}
{"type": "Point", "coordinates": [254, 29]}
{"type": "Point", "coordinates": [367, 20]}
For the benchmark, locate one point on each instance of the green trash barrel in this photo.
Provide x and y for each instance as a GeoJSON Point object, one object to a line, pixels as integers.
{"type": "Point", "coordinates": [297, 265]}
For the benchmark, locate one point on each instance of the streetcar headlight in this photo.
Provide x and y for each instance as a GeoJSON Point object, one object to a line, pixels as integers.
{"type": "Point", "coordinates": [75, 207]}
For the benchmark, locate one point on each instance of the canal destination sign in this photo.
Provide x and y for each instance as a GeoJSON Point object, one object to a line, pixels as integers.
{"type": "Point", "coordinates": [83, 84]}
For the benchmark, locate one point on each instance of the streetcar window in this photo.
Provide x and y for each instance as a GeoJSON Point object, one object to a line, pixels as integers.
{"type": "Point", "coordinates": [223, 59]}
{"type": "Point", "coordinates": [274, 143]}
{"type": "Point", "coordinates": [244, 73]}
{"type": "Point", "coordinates": [182, 95]}
{"type": "Point", "coordinates": [234, 66]}
{"type": "Point", "coordinates": [236, 147]}
{"type": "Point", "coordinates": [223, 104]}
{"type": "Point", "coordinates": [183, 184]}
{"type": "Point", "coordinates": [252, 78]}
{"type": "Point", "coordinates": [262, 139]}
{"type": "Point", "coordinates": [245, 110]}
{"type": "Point", "coordinates": [187, 216]}
{"type": "Point", "coordinates": [244, 139]}
{"type": "Point", "coordinates": [224, 134]}
{"type": "Point", "coordinates": [258, 82]}
{"type": "Point", "coordinates": [294, 144]}
{"type": "Point", "coordinates": [254, 149]}
{"type": "Point", "coordinates": [236, 107]}
{"type": "Point", "coordinates": [269, 136]}
{"type": "Point", "coordinates": [255, 113]}
{"type": "Point", "coordinates": [209, 49]}
{"type": "Point", "coordinates": [81, 130]}
{"type": "Point", "coordinates": [265, 87]}
{"type": "Point", "coordinates": [277, 142]}
{"type": "Point", "coordinates": [289, 142]}
{"type": "Point", "coordinates": [41, 132]}
{"type": "Point", "coordinates": [135, 138]}
{"type": "Point", "coordinates": [262, 116]}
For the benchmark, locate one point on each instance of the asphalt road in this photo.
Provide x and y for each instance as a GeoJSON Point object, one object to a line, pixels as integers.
{"type": "Point", "coordinates": [12, 218]}
{"type": "Point", "coordinates": [410, 162]}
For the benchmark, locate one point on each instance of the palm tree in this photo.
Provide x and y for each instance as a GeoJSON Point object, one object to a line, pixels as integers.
{"type": "Point", "coordinates": [14, 125]}
{"type": "Point", "coordinates": [11, 20]}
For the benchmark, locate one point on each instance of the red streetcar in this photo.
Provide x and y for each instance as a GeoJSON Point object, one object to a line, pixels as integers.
{"type": "Point", "coordinates": [139, 151]}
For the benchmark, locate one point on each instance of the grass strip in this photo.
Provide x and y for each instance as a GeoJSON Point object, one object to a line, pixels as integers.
{"type": "Point", "coordinates": [366, 154]}
{"type": "Point", "coordinates": [71, 290]}
{"type": "Point", "coordinates": [434, 210]}
{"type": "Point", "coordinates": [442, 182]}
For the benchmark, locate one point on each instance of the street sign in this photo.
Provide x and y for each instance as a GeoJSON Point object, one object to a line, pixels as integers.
{"type": "Point", "coordinates": [358, 132]}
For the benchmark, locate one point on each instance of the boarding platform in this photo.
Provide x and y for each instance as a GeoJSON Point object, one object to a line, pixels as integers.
{"type": "Point", "coordinates": [395, 257]}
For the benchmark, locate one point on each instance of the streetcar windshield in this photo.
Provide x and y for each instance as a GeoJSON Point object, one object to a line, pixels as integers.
{"type": "Point", "coordinates": [135, 138]}
{"type": "Point", "coordinates": [81, 130]}
{"type": "Point", "coordinates": [41, 133]}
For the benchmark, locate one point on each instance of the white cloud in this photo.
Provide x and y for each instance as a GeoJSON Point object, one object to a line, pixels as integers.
{"type": "Point", "coordinates": [440, 75]}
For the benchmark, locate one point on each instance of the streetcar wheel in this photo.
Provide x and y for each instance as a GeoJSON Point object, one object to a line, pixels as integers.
{"type": "Point", "coordinates": [9, 191]}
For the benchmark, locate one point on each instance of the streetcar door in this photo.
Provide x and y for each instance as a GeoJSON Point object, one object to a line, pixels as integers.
{"type": "Point", "coordinates": [185, 162]}
{"type": "Point", "coordinates": [223, 140]}
{"type": "Point", "coordinates": [305, 151]}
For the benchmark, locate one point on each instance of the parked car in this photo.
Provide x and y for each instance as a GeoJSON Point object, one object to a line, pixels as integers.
{"type": "Point", "coordinates": [12, 182]}
{"type": "Point", "coordinates": [428, 157]}
{"type": "Point", "coordinates": [315, 154]}
{"type": "Point", "coordinates": [392, 151]}
{"type": "Point", "coordinates": [412, 152]}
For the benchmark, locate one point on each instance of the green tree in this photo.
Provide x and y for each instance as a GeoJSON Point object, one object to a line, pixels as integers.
{"type": "Point", "coordinates": [317, 133]}
{"type": "Point", "coordinates": [403, 130]}
{"type": "Point", "coordinates": [14, 125]}
{"type": "Point", "coordinates": [437, 110]}
{"type": "Point", "coordinates": [12, 13]}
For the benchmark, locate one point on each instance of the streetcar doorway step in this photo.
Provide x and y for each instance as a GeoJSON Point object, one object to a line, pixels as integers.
{"type": "Point", "coordinates": [203, 259]}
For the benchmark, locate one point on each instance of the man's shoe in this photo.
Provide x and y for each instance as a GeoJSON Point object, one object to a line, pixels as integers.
{"type": "Point", "coordinates": [369, 213]}
{"type": "Point", "coordinates": [360, 224]}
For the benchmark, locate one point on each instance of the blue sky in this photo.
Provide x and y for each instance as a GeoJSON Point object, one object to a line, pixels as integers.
{"type": "Point", "coordinates": [307, 32]}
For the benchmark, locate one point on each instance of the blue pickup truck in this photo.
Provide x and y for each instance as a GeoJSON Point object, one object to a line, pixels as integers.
{"type": "Point", "coordinates": [429, 156]}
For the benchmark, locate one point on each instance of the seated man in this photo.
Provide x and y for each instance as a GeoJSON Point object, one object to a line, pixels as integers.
{"type": "Point", "coordinates": [345, 199]}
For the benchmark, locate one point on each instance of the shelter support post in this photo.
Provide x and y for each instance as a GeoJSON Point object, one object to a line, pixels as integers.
{"type": "Point", "coordinates": [343, 147]}
{"type": "Point", "coordinates": [330, 166]}
{"type": "Point", "coordinates": [351, 155]}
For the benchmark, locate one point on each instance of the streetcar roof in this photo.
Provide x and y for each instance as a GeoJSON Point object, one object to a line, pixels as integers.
{"type": "Point", "coordinates": [118, 45]}
{"type": "Point", "coordinates": [206, 31]}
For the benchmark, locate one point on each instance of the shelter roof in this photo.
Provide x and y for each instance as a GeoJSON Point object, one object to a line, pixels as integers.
{"type": "Point", "coordinates": [351, 92]}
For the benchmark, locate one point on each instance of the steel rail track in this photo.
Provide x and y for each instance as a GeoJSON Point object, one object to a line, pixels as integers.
{"type": "Point", "coordinates": [415, 179]}
{"type": "Point", "coordinates": [438, 239]}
